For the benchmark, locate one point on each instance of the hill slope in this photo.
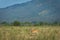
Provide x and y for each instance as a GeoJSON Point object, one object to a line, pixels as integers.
{"type": "Point", "coordinates": [35, 10]}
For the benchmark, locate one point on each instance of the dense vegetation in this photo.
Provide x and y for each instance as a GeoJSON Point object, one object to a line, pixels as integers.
{"type": "Point", "coordinates": [17, 23]}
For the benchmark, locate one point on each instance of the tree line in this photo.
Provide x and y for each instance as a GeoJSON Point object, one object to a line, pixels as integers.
{"type": "Point", "coordinates": [17, 23]}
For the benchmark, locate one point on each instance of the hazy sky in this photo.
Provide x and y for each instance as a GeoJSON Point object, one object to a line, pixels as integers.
{"type": "Point", "coordinates": [5, 3]}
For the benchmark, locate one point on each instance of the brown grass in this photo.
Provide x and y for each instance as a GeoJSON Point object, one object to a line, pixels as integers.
{"type": "Point", "coordinates": [30, 33]}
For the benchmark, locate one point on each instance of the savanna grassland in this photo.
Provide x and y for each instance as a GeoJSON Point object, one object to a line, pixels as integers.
{"type": "Point", "coordinates": [30, 33]}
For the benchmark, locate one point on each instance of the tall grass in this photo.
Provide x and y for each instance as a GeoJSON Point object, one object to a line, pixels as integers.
{"type": "Point", "coordinates": [30, 33]}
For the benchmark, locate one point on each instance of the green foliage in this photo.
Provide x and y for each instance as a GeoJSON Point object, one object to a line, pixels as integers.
{"type": "Point", "coordinates": [41, 23]}
{"type": "Point", "coordinates": [36, 24]}
{"type": "Point", "coordinates": [16, 23]}
{"type": "Point", "coordinates": [27, 24]}
{"type": "Point", "coordinates": [5, 23]}
{"type": "Point", "coordinates": [56, 23]}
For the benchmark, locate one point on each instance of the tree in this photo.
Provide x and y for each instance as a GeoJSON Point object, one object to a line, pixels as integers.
{"type": "Point", "coordinates": [41, 23]}
{"type": "Point", "coordinates": [16, 23]}
{"type": "Point", "coordinates": [27, 24]}
{"type": "Point", "coordinates": [4, 23]}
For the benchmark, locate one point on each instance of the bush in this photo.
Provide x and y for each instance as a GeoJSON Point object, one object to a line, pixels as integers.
{"type": "Point", "coordinates": [4, 23]}
{"type": "Point", "coordinates": [16, 23]}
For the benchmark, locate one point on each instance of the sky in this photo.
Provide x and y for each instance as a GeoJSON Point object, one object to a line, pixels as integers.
{"type": "Point", "coordinates": [5, 3]}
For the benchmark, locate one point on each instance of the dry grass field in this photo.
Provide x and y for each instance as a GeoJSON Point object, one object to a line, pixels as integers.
{"type": "Point", "coordinates": [30, 33]}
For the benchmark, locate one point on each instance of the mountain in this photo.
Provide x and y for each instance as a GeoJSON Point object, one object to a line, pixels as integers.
{"type": "Point", "coordinates": [35, 10]}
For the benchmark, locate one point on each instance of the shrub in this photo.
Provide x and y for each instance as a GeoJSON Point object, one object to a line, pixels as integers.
{"type": "Point", "coordinates": [4, 23]}
{"type": "Point", "coordinates": [16, 23]}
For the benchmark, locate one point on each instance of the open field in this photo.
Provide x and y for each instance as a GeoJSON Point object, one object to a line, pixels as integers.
{"type": "Point", "coordinates": [30, 33]}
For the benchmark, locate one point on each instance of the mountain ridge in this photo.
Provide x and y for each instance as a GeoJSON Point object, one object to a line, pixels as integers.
{"type": "Point", "coordinates": [35, 10]}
